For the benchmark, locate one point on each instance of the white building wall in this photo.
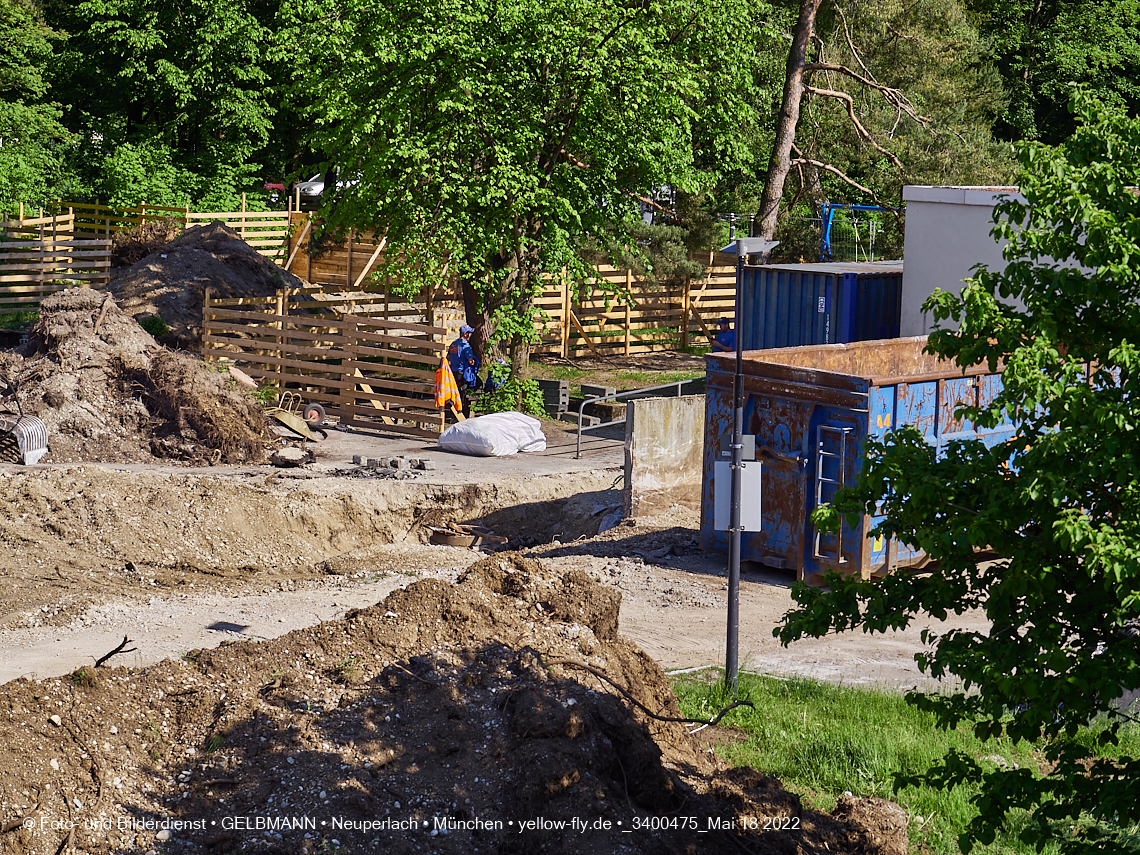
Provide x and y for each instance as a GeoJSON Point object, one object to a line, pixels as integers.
{"type": "Point", "coordinates": [947, 234]}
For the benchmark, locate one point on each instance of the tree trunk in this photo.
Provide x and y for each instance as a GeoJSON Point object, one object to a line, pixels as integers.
{"type": "Point", "coordinates": [523, 302]}
{"type": "Point", "coordinates": [788, 119]}
{"type": "Point", "coordinates": [476, 317]}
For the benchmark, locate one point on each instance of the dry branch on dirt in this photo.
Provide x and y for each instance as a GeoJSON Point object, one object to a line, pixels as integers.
{"type": "Point", "coordinates": [433, 705]}
{"type": "Point", "coordinates": [107, 392]}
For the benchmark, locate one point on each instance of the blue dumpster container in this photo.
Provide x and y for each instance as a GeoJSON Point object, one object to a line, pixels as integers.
{"type": "Point", "coordinates": [810, 410]}
{"type": "Point", "coordinates": [785, 305]}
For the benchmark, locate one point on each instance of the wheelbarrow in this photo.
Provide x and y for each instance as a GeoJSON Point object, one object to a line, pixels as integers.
{"type": "Point", "coordinates": [301, 419]}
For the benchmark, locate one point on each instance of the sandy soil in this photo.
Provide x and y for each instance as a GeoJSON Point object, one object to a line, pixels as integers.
{"type": "Point", "coordinates": [181, 560]}
{"type": "Point", "coordinates": [299, 648]}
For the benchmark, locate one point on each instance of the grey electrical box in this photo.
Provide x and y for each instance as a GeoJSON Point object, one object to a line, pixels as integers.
{"type": "Point", "coordinates": [749, 494]}
{"type": "Point", "coordinates": [747, 452]}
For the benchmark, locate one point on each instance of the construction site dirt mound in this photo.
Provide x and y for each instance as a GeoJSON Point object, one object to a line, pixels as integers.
{"type": "Point", "coordinates": [107, 392]}
{"type": "Point", "coordinates": [170, 283]}
{"type": "Point", "coordinates": [500, 714]}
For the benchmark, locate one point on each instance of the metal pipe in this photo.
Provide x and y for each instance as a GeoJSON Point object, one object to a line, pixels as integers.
{"type": "Point", "coordinates": [744, 248]}
{"type": "Point", "coordinates": [582, 406]}
{"type": "Point", "coordinates": [732, 645]}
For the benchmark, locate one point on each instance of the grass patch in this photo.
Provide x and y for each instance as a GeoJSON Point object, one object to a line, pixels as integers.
{"type": "Point", "coordinates": [559, 372]}
{"type": "Point", "coordinates": [822, 740]}
{"type": "Point", "coordinates": [155, 325]}
{"type": "Point", "coordinates": [83, 678]}
{"type": "Point", "coordinates": [658, 378]}
{"type": "Point", "coordinates": [18, 320]}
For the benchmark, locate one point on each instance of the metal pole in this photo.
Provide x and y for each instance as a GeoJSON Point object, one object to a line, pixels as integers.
{"type": "Point", "coordinates": [732, 663]}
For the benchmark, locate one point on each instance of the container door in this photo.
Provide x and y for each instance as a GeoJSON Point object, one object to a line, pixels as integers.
{"type": "Point", "coordinates": [780, 427]}
{"type": "Point", "coordinates": [955, 392]}
{"type": "Point", "coordinates": [836, 439]}
{"type": "Point", "coordinates": [832, 450]}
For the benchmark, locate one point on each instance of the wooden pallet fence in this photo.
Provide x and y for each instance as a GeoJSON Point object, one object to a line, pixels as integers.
{"type": "Point", "coordinates": [391, 376]}
{"type": "Point", "coordinates": [345, 265]}
{"type": "Point", "coordinates": [710, 298]}
{"type": "Point", "coordinates": [41, 255]}
{"type": "Point", "coordinates": [266, 231]}
{"type": "Point", "coordinates": [366, 371]}
{"type": "Point", "coordinates": [654, 319]}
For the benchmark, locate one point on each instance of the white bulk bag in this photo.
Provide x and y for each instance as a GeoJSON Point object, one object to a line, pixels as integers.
{"type": "Point", "coordinates": [494, 435]}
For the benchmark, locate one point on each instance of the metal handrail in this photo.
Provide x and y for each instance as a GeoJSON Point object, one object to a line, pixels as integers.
{"type": "Point", "coordinates": [581, 408]}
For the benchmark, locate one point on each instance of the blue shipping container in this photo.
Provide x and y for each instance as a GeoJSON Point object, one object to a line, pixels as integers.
{"type": "Point", "coordinates": [810, 410]}
{"type": "Point", "coordinates": [785, 305]}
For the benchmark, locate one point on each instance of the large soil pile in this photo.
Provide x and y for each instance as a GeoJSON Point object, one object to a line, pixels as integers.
{"type": "Point", "coordinates": [171, 282]}
{"type": "Point", "coordinates": [448, 718]}
{"type": "Point", "coordinates": [108, 392]}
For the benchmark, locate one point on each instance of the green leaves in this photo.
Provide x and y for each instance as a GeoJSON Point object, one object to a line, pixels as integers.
{"type": "Point", "coordinates": [175, 95]}
{"type": "Point", "coordinates": [34, 145]}
{"type": "Point", "coordinates": [1058, 502]}
{"type": "Point", "coordinates": [490, 138]}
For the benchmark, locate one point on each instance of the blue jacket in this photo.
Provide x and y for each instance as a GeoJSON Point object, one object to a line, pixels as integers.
{"type": "Point", "coordinates": [463, 361]}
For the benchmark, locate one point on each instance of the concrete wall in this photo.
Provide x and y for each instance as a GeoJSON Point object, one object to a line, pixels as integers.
{"type": "Point", "coordinates": [947, 233]}
{"type": "Point", "coordinates": [664, 446]}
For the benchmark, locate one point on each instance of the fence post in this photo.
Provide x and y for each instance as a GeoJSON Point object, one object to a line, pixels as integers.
{"type": "Point", "coordinates": [308, 248]}
{"type": "Point", "coordinates": [243, 216]}
{"type": "Point", "coordinates": [280, 326]}
{"type": "Point", "coordinates": [207, 293]}
{"type": "Point", "coordinates": [685, 314]}
{"type": "Point", "coordinates": [348, 371]}
{"type": "Point", "coordinates": [348, 278]}
{"type": "Point", "coordinates": [628, 291]}
{"type": "Point", "coordinates": [565, 344]}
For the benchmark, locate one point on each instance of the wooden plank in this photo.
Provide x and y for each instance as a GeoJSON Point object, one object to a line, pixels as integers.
{"type": "Point", "coordinates": [58, 265]}
{"type": "Point", "coordinates": [282, 380]}
{"type": "Point", "coordinates": [252, 332]}
{"type": "Point", "coordinates": [267, 341]}
{"type": "Point", "coordinates": [427, 344]}
{"type": "Point", "coordinates": [402, 371]}
{"type": "Point", "coordinates": [402, 355]}
{"type": "Point", "coordinates": [392, 400]}
{"type": "Point", "coordinates": [273, 318]}
{"type": "Point", "coordinates": [18, 244]}
{"type": "Point", "coordinates": [419, 417]}
{"type": "Point", "coordinates": [391, 383]}
{"type": "Point", "coordinates": [17, 283]}
{"type": "Point", "coordinates": [402, 429]}
{"type": "Point", "coordinates": [275, 364]}
{"type": "Point", "coordinates": [401, 325]}
{"type": "Point", "coordinates": [272, 217]}
{"type": "Point", "coordinates": [242, 301]}
{"type": "Point", "coordinates": [371, 260]}
{"type": "Point", "coordinates": [300, 240]}
{"type": "Point", "coordinates": [578, 326]}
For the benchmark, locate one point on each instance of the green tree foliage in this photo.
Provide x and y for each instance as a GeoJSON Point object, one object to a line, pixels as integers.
{"type": "Point", "coordinates": [170, 99]}
{"type": "Point", "coordinates": [33, 144]}
{"type": "Point", "coordinates": [1044, 48]}
{"type": "Point", "coordinates": [1059, 502]}
{"type": "Point", "coordinates": [489, 137]}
